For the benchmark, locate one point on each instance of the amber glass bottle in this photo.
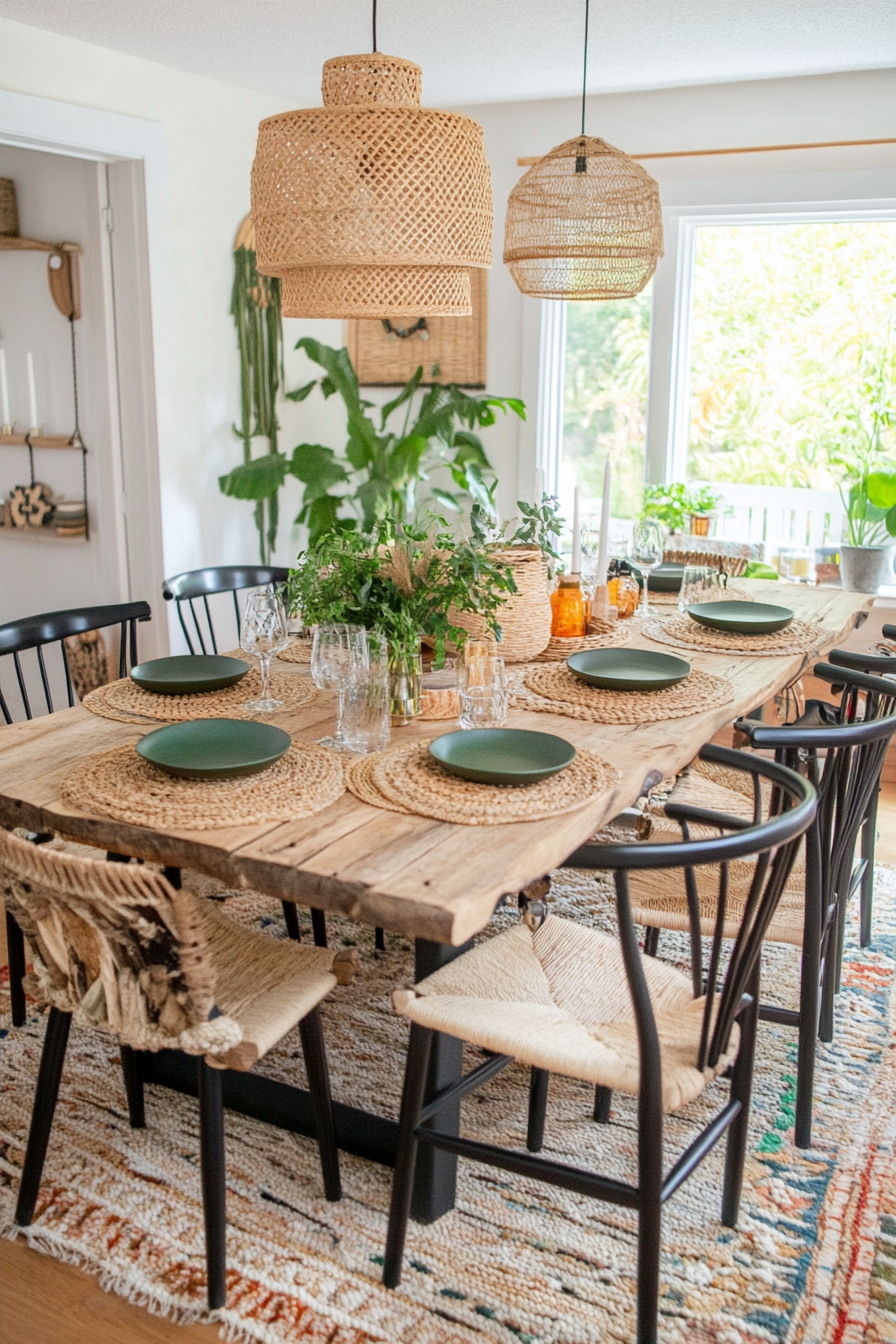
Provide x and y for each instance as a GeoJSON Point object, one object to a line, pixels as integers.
{"type": "Point", "coordinates": [568, 620]}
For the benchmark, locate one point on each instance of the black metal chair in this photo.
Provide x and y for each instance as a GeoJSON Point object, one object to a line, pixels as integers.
{"type": "Point", "coordinates": [37, 632]}
{"type": "Point", "coordinates": [201, 584]}
{"type": "Point", "coordinates": [494, 997]}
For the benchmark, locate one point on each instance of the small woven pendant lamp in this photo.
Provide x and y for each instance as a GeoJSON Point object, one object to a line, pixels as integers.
{"type": "Point", "coordinates": [584, 222]}
{"type": "Point", "coordinates": [372, 206]}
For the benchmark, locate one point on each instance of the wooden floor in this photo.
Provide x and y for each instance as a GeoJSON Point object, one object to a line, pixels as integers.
{"type": "Point", "coordinates": [45, 1302]}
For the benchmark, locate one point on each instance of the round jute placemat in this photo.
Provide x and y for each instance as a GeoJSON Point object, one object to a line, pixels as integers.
{"type": "Point", "coordinates": [129, 703]}
{"type": "Point", "coordinates": [407, 779]}
{"type": "Point", "coordinates": [555, 690]}
{"type": "Point", "coordinates": [296, 651]}
{"type": "Point", "coordinates": [726, 595]}
{"type": "Point", "coordinates": [122, 785]}
{"type": "Point", "coordinates": [684, 633]}
{"type": "Point", "coordinates": [613, 637]}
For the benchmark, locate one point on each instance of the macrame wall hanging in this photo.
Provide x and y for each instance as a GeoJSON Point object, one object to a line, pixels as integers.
{"type": "Point", "coordinates": [372, 206]}
{"type": "Point", "coordinates": [584, 222]}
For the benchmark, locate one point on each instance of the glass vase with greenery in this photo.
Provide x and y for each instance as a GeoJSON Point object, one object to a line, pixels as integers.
{"type": "Point", "coordinates": [378, 474]}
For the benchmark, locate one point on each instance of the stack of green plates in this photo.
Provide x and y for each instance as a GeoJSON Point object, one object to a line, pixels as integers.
{"type": "Point", "coordinates": [628, 669]}
{"type": "Point", "coordinates": [741, 618]}
{"type": "Point", "coordinates": [214, 748]}
{"type": "Point", "coordinates": [187, 674]}
{"type": "Point", "coordinates": [502, 755]}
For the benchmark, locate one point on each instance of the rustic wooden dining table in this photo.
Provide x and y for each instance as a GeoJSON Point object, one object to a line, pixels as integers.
{"type": "Point", "coordinates": [436, 882]}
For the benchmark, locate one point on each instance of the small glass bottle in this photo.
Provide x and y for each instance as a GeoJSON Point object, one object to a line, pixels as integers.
{"type": "Point", "coordinates": [568, 619]}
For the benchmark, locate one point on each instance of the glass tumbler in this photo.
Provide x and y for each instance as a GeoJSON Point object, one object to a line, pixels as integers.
{"type": "Point", "coordinates": [339, 661]}
{"type": "Point", "coordinates": [482, 688]}
{"type": "Point", "coordinates": [366, 724]}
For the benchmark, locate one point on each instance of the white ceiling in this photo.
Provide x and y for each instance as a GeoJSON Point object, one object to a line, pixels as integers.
{"type": "Point", "coordinates": [485, 50]}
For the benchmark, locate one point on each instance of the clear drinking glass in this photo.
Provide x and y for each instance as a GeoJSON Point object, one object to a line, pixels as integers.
{"type": "Point", "coordinates": [647, 553]}
{"type": "Point", "coordinates": [699, 583]}
{"type": "Point", "coordinates": [482, 688]}
{"type": "Point", "coordinates": [263, 633]}
{"type": "Point", "coordinates": [365, 722]}
{"type": "Point", "coordinates": [340, 661]}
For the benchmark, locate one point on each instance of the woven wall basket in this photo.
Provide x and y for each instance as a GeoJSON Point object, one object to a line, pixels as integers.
{"type": "Point", "coordinates": [455, 351]}
{"type": "Point", "coordinates": [596, 234]}
{"type": "Point", "coordinates": [372, 206]}
{"type": "Point", "coordinates": [524, 616]}
{"type": "Point", "coordinates": [9, 211]}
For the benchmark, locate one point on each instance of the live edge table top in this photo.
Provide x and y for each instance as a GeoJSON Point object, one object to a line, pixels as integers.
{"type": "Point", "coordinates": [427, 879]}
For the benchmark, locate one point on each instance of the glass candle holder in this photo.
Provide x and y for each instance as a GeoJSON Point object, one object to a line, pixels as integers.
{"type": "Point", "coordinates": [482, 689]}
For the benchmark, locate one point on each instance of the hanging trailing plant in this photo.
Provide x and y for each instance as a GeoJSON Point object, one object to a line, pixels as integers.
{"type": "Point", "coordinates": [255, 309]}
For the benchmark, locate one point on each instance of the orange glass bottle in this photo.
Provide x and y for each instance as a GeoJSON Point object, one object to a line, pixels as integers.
{"type": "Point", "coordinates": [568, 619]}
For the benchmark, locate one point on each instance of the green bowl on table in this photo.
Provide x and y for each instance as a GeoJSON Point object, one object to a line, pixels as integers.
{"type": "Point", "coordinates": [214, 748]}
{"type": "Point", "coordinates": [666, 578]}
{"type": "Point", "coordinates": [188, 673]}
{"type": "Point", "coordinates": [628, 669]}
{"type": "Point", "coordinates": [741, 618]}
{"type": "Point", "coordinates": [502, 755]}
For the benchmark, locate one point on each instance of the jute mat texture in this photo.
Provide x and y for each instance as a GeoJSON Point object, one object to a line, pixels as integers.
{"type": "Point", "coordinates": [613, 637]}
{"type": "Point", "coordinates": [127, 702]}
{"type": "Point", "coordinates": [684, 633]}
{"type": "Point", "coordinates": [408, 779]}
{"type": "Point", "coordinates": [296, 651]}
{"type": "Point", "coordinates": [120, 784]}
{"type": "Point", "coordinates": [556, 690]}
{"type": "Point", "coordinates": [515, 1262]}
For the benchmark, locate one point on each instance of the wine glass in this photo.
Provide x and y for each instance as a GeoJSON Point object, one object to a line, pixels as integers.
{"type": "Point", "coordinates": [340, 660]}
{"type": "Point", "coordinates": [647, 553]}
{"type": "Point", "coordinates": [263, 633]}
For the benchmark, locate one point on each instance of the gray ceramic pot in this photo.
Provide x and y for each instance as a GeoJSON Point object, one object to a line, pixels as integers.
{"type": "Point", "coordinates": [864, 568]}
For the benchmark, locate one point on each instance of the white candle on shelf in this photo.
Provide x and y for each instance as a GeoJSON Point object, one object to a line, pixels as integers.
{"type": "Point", "coordinates": [32, 395]}
{"type": "Point", "coordinates": [4, 393]}
{"type": "Point", "coordinates": [576, 535]}
{"type": "Point", "coordinates": [604, 544]}
{"type": "Point", "coordinates": [539, 485]}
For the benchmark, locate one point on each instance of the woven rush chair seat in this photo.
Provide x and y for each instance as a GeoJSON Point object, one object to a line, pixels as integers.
{"type": "Point", "coordinates": [557, 998]}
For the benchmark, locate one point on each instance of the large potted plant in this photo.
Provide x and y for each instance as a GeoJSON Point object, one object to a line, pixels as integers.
{"type": "Point", "coordinates": [867, 552]}
{"type": "Point", "coordinates": [405, 583]}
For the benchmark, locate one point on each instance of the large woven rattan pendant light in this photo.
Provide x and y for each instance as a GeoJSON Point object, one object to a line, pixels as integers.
{"type": "Point", "coordinates": [372, 206]}
{"type": "Point", "coordinates": [584, 222]}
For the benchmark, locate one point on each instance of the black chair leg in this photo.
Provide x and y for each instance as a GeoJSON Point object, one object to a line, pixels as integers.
{"type": "Point", "coordinates": [651, 942]}
{"type": "Point", "coordinates": [419, 1046]}
{"type": "Point", "coordinates": [133, 1086]}
{"type": "Point", "coordinates": [807, 1041]}
{"type": "Point", "coordinates": [603, 1100]}
{"type": "Point", "coordinates": [866, 895]}
{"type": "Point", "coordinates": [214, 1183]}
{"type": "Point", "coordinates": [319, 927]}
{"type": "Point", "coordinates": [315, 1054]}
{"type": "Point", "coordinates": [379, 939]}
{"type": "Point", "coordinates": [741, 1090]}
{"type": "Point", "coordinates": [539, 1082]}
{"type": "Point", "coordinates": [291, 916]}
{"type": "Point", "coordinates": [15, 951]}
{"type": "Point", "coordinates": [52, 1060]}
{"type": "Point", "coordinates": [649, 1226]}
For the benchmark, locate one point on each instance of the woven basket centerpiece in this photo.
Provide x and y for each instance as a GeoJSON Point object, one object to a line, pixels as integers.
{"type": "Point", "coordinates": [372, 206]}
{"type": "Point", "coordinates": [584, 223]}
{"type": "Point", "coordinates": [524, 616]}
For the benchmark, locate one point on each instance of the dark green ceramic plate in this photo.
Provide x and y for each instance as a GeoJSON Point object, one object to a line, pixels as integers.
{"type": "Point", "coordinates": [663, 579]}
{"type": "Point", "coordinates": [502, 755]}
{"type": "Point", "coordinates": [741, 618]}
{"type": "Point", "coordinates": [185, 674]}
{"type": "Point", "coordinates": [628, 669]}
{"type": "Point", "coordinates": [214, 748]}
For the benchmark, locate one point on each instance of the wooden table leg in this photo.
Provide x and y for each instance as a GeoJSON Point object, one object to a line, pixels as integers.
{"type": "Point", "coordinates": [435, 1180]}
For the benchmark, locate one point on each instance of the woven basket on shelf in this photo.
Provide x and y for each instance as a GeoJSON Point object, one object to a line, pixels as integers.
{"type": "Point", "coordinates": [524, 616]}
{"type": "Point", "coordinates": [584, 223]}
{"type": "Point", "coordinates": [9, 211]}
{"type": "Point", "coordinates": [372, 206]}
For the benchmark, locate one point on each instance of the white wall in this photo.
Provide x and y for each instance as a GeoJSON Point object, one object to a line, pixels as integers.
{"type": "Point", "coordinates": [210, 131]}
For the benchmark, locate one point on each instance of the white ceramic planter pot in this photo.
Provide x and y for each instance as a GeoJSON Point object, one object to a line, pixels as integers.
{"type": "Point", "coordinates": [864, 568]}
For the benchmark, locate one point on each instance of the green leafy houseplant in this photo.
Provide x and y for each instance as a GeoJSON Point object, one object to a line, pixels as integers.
{"type": "Point", "coordinates": [400, 584]}
{"type": "Point", "coordinates": [380, 471]}
{"type": "Point", "coordinates": [870, 504]}
{"type": "Point", "coordinates": [674, 504]}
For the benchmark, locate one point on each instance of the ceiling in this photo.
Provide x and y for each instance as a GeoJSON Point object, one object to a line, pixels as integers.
{"type": "Point", "coordinates": [476, 51]}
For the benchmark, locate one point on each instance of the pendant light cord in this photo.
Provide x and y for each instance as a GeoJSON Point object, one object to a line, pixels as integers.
{"type": "Point", "coordinates": [374, 25]}
{"type": "Point", "coordinates": [584, 63]}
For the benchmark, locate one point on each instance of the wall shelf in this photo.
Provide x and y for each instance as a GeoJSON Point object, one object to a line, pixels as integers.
{"type": "Point", "coordinates": [37, 441]}
{"type": "Point", "coordinates": [42, 534]}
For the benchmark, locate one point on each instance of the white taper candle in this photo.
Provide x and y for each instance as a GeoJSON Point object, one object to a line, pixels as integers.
{"type": "Point", "coordinates": [4, 389]}
{"type": "Point", "coordinates": [603, 550]}
{"type": "Point", "coordinates": [32, 395]}
{"type": "Point", "coordinates": [576, 535]}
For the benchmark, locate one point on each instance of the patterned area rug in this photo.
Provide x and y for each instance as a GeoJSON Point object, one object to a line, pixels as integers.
{"type": "Point", "coordinates": [813, 1259]}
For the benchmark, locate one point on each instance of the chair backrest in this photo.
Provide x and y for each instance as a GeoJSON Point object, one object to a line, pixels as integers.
{"type": "Point", "coordinates": [843, 760]}
{"type": "Point", "coordinates": [201, 584]}
{"type": "Point", "coordinates": [113, 943]}
{"type": "Point", "coordinates": [36, 632]}
{"type": "Point", "coordinates": [772, 842]}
